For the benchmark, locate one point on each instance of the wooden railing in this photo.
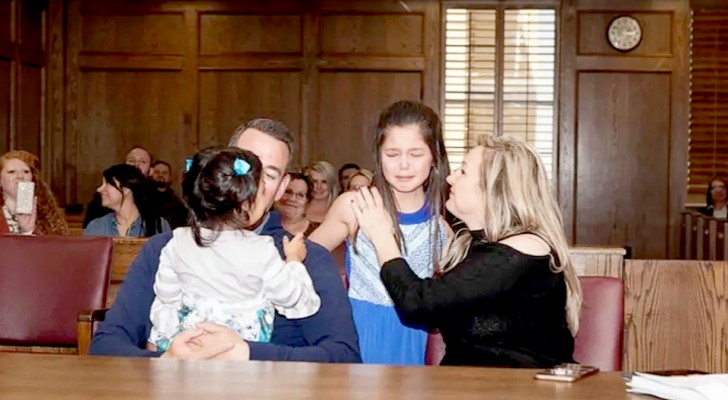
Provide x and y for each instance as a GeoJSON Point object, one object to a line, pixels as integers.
{"type": "Point", "coordinates": [703, 238]}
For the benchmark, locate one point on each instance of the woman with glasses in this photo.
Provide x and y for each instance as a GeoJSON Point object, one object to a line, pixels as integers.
{"type": "Point", "coordinates": [716, 199]}
{"type": "Point", "coordinates": [292, 205]}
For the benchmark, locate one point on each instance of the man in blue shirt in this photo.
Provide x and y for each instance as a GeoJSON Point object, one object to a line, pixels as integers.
{"type": "Point", "coordinates": [327, 336]}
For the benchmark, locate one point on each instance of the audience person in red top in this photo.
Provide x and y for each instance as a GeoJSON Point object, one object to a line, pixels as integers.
{"type": "Point", "coordinates": [715, 199]}
{"type": "Point", "coordinates": [46, 218]}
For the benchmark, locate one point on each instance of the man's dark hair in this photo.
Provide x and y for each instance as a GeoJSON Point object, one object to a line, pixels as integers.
{"type": "Point", "coordinates": [160, 162]}
{"type": "Point", "coordinates": [348, 166]}
{"type": "Point", "coordinates": [275, 129]}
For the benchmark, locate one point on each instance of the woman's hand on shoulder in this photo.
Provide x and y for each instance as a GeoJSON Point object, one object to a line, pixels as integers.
{"type": "Point", "coordinates": [371, 215]}
{"type": "Point", "coordinates": [528, 243]}
{"type": "Point", "coordinates": [339, 223]}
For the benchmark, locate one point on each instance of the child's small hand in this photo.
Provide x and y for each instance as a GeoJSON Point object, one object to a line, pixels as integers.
{"type": "Point", "coordinates": [294, 249]}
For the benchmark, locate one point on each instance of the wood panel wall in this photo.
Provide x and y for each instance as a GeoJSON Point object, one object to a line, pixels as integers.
{"type": "Point", "coordinates": [175, 76]}
{"type": "Point", "coordinates": [22, 53]}
{"type": "Point", "coordinates": [623, 126]}
{"type": "Point", "coordinates": [178, 76]}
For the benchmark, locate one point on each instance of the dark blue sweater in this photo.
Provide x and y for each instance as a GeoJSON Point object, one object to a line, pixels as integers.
{"type": "Point", "coordinates": [327, 336]}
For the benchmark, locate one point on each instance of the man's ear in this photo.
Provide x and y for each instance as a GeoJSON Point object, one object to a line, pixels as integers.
{"type": "Point", "coordinates": [282, 186]}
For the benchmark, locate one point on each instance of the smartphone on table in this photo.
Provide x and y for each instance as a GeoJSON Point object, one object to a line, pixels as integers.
{"type": "Point", "coordinates": [566, 373]}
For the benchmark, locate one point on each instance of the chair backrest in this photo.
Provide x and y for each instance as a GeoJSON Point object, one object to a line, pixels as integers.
{"type": "Point", "coordinates": [435, 351]}
{"type": "Point", "coordinates": [601, 328]}
{"type": "Point", "coordinates": [125, 251]}
{"type": "Point", "coordinates": [45, 281]}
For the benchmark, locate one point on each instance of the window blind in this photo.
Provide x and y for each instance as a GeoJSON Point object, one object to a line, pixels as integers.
{"type": "Point", "coordinates": [500, 78]}
{"type": "Point", "coordinates": [708, 149]}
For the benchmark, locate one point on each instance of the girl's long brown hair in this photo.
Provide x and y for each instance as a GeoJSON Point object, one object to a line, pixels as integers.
{"type": "Point", "coordinates": [49, 220]}
{"type": "Point", "coordinates": [405, 113]}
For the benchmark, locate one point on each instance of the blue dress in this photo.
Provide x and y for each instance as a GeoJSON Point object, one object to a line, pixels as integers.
{"type": "Point", "coordinates": [383, 337]}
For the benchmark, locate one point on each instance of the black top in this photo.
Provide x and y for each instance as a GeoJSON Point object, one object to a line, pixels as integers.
{"type": "Point", "coordinates": [498, 307]}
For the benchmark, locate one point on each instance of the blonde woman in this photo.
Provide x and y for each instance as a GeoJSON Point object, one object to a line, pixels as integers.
{"type": "Point", "coordinates": [325, 189]}
{"type": "Point", "coordinates": [507, 293]}
{"type": "Point", "coordinates": [361, 178]}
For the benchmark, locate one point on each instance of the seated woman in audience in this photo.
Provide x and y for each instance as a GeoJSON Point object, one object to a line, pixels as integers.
{"type": "Point", "coordinates": [506, 293]}
{"type": "Point", "coordinates": [361, 178]}
{"type": "Point", "coordinates": [130, 195]}
{"type": "Point", "coordinates": [716, 200]}
{"type": "Point", "coordinates": [46, 218]}
{"type": "Point", "coordinates": [325, 189]}
{"type": "Point", "coordinates": [292, 205]}
{"type": "Point", "coordinates": [137, 156]}
{"type": "Point", "coordinates": [219, 271]}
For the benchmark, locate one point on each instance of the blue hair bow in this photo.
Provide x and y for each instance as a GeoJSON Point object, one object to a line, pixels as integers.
{"type": "Point", "coordinates": [240, 167]}
{"type": "Point", "coordinates": [188, 164]}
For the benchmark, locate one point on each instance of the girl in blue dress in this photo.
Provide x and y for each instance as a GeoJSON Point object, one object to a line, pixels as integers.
{"type": "Point", "coordinates": [411, 168]}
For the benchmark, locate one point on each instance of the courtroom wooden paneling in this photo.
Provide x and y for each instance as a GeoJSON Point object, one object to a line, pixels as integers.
{"type": "Point", "coordinates": [29, 121]}
{"type": "Point", "coordinates": [178, 76]}
{"type": "Point", "coordinates": [622, 144]}
{"type": "Point", "coordinates": [622, 163]}
{"type": "Point", "coordinates": [120, 109]}
{"type": "Point", "coordinates": [676, 315]}
{"type": "Point", "coordinates": [348, 119]}
{"type": "Point", "coordinates": [230, 34]}
{"type": "Point", "coordinates": [374, 34]}
{"type": "Point", "coordinates": [594, 24]}
{"type": "Point", "coordinates": [21, 74]}
{"type": "Point", "coordinates": [231, 98]}
{"type": "Point", "coordinates": [5, 67]}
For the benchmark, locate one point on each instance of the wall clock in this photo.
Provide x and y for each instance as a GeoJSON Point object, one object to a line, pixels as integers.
{"type": "Point", "coordinates": [624, 33]}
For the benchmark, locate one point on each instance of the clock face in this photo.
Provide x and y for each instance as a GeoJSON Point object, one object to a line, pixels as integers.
{"type": "Point", "coordinates": [624, 33]}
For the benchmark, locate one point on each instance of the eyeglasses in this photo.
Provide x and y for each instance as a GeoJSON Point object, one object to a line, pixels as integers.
{"type": "Point", "coordinates": [717, 187]}
{"type": "Point", "coordinates": [295, 195]}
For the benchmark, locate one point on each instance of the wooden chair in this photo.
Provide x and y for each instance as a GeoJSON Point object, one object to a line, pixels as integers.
{"type": "Point", "coordinates": [125, 250]}
{"type": "Point", "coordinates": [46, 281]}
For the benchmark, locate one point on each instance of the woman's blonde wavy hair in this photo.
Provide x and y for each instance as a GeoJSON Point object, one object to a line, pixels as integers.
{"type": "Point", "coordinates": [330, 175]}
{"type": "Point", "coordinates": [49, 220]}
{"type": "Point", "coordinates": [520, 199]}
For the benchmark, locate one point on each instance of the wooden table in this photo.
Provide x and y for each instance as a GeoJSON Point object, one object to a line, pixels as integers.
{"type": "Point", "coordinates": [30, 376]}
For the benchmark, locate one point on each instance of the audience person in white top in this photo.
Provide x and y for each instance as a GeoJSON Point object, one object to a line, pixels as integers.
{"type": "Point", "coordinates": [219, 270]}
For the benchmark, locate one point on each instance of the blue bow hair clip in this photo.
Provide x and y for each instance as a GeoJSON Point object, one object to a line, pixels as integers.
{"type": "Point", "coordinates": [240, 167]}
{"type": "Point", "coordinates": [188, 164]}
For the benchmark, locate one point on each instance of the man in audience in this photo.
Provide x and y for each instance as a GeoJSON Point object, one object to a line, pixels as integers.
{"type": "Point", "coordinates": [327, 336]}
{"type": "Point", "coordinates": [162, 173]}
{"type": "Point", "coordinates": [137, 156]}
{"type": "Point", "coordinates": [171, 207]}
{"type": "Point", "coordinates": [345, 173]}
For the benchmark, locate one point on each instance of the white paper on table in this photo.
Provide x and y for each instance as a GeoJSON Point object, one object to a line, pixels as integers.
{"type": "Point", "coordinates": [691, 387]}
